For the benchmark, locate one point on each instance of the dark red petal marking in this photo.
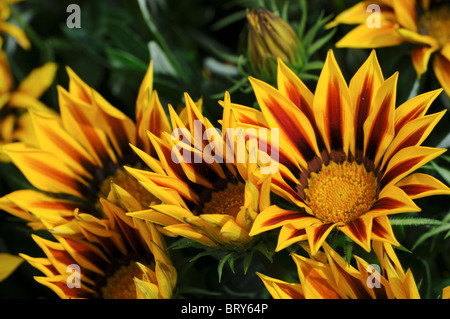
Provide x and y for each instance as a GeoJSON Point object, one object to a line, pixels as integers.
{"type": "Point", "coordinates": [387, 203]}
{"type": "Point", "coordinates": [320, 231]}
{"type": "Point", "coordinates": [399, 169]}
{"type": "Point", "coordinates": [288, 215]}
{"type": "Point", "coordinates": [295, 133]}
{"type": "Point", "coordinates": [411, 140]}
{"type": "Point", "coordinates": [58, 176]}
{"type": "Point", "coordinates": [411, 115]}
{"type": "Point", "coordinates": [416, 189]}
{"type": "Point", "coordinates": [379, 128]}
{"type": "Point", "coordinates": [294, 95]}
{"type": "Point", "coordinates": [362, 111]}
{"type": "Point", "coordinates": [358, 229]}
{"type": "Point", "coordinates": [334, 115]}
{"type": "Point", "coordinates": [378, 229]}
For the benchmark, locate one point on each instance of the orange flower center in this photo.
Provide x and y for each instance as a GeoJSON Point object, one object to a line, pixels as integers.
{"type": "Point", "coordinates": [436, 23]}
{"type": "Point", "coordinates": [130, 184]}
{"type": "Point", "coordinates": [227, 201]}
{"type": "Point", "coordinates": [340, 193]}
{"type": "Point", "coordinates": [120, 285]}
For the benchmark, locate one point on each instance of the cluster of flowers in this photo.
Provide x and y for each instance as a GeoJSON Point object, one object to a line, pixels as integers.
{"type": "Point", "coordinates": [107, 189]}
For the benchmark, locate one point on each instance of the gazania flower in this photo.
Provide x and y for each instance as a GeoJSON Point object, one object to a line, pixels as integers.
{"type": "Point", "coordinates": [269, 36]}
{"type": "Point", "coordinates": [426, 27]}
{"type": "Point", "coordinates": [11, 29]}
{"type": "Point", "coordinates": [329, 276]}
{"type": "Point", "coordinates": [80, 152]}
{"type": "Point", "coordinates": [346, 154]}
{"type": "Point", "coordinates": [16, 101]}
{"type": "Point", "coordinates": [114, 257]}
{"type": "Point", "coordinates": [206, 194]}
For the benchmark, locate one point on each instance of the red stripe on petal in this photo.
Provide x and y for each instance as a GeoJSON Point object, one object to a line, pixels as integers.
{"type": "Point", "coordinates": [399, 169]}
{"type": "Point", "coordinates": [378, 229]}
{"type": "Point", "coordinates": [288, 215]}
{"type": "Point", "coordinates": [358, 229]}
{"type": "Point", "coordinates": [387, 203]}
{"type": "Point", "coordinates": [379, 128]}
{"type": "Point", "coordinates": [362, 111]}
{"type": "Point", "coordinates": [334, 115]}
{"type": "Point", "coordinates": [292, 130]}
{"type": "Point", "coordinates": [415, 189]}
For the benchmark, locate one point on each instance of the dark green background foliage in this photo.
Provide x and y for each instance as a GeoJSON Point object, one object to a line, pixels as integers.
{"type": "Point", "coordinates": [199, 47]}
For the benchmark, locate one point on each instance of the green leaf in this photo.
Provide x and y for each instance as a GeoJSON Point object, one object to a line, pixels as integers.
{"type": "Point", "coordinates": [444, 172]}
{"type": "Point", "coordinates": [414, 221]}
{"type": "Point", "coordinates": [247, 261]}
{"type": "Point", "coordinates": [124, 60]}
{"type": "Point", "coordinates": [222, 263]}
{"type": "Point", "coordinates": [161, 62]}
{"type": "Point", "coordinates": [431, 233]}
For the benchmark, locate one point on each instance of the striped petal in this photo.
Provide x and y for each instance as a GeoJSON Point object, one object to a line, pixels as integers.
{"type": "Point", "coordinates": [290, 235]}
{"type": "Point", "coordinates": [420, 185]}
{"type": "Point", "coordinates": [379, 126]}
{"type": "Point", "coordinates": [51, 135]}
{"type": "Point", "coordinates": [363, 87]}
{"type": "Point", "coordinates": [279, 289]}
{"type": "Point", "coordinates": [317, 233]}
{"type": "Point", "coordinates": [414, 108]}
{"type": "Point", "coordinates": [393, 200]}
{"type": "Point", "coordinates": [382, 230]}
{"type": "Point", "coordinates": [359, 231]}
{"type": "Point", "coordinates": [332, 107]}
{"type": "Point", "coordinates": [406, 161]}
{"type": "Point", "coordinates": [412, 134]}
{"type": "Point", "coordinates": [44, 170]}
{"type": "Point", "coordinates": [295, 126]}
{"type": "Point", "coordinates": [274, 217]}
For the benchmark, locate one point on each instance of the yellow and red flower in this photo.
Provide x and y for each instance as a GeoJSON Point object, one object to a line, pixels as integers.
{"type": "Point", "coordinates": [16, 101]}
{"type": "Point", "coordinates": [426, 27]}
{"type": "Point", "coordinates": [114, 257]}
{"type": "Point", "coordinates": [211, 198]}
{"type": "Point", "coordinates": [328, 276]}
{"type": "Point", "coordinates": [79, 152]}
{"type": "Point", "coordinates": [346, 153]}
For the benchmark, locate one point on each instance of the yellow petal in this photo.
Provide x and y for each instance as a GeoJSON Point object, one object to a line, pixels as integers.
{"type": "Point", "coordinates": [8, 263]}
{"type": "Point", "coordinates": [39, 80]}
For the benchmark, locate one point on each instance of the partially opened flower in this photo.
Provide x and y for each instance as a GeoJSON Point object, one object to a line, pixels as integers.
{"type": "Point", "coordinates": [346, 153]}
{"type": "Point", "coordinates": [269, 37]}
{"type": "Point", "coordinates": [206, 194]}
{"type": "Point", "coordinates": [114, 257]}
{"type": "Point", "coordinates": [15, 102]}
{"type": "Point", "coordinates": [426, 27]}
{"type": "Point", "coordinates": [6, 27]}
{"type": "Point", "coordinates": [80, 152]}
{"type": "Point", "coordinates": [329, 276]}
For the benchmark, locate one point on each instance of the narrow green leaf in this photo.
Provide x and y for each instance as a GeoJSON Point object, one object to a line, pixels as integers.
{"type": "Point", "coordinates": [444, 172]}
{"type": "Point", "coordinates": [247, 261]}
{"type": "Point", "coordinates": [413, 221]}
{"type": "Point", "coordinates": [221, 264]}
{"type": "Point", "coordinates": [431, 233]}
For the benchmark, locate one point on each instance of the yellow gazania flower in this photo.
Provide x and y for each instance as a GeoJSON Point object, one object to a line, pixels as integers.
{"type": "Point", "coordinates": [6, 27]}
{"type": "Point", "coordinates": [427, 28]}
{"type": "Point", "coordinates": [14, 102]}
{"type": "Point", "coordinates": [114, 257]}
{"type": "Point", "coordinates": [211, 201]}
{"type": "Point", "coordinates": [80, 152]}
{"type": "Point", "coordinates": [346, 153]}
{"type": "Point", "coordinates": [329, 276]}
